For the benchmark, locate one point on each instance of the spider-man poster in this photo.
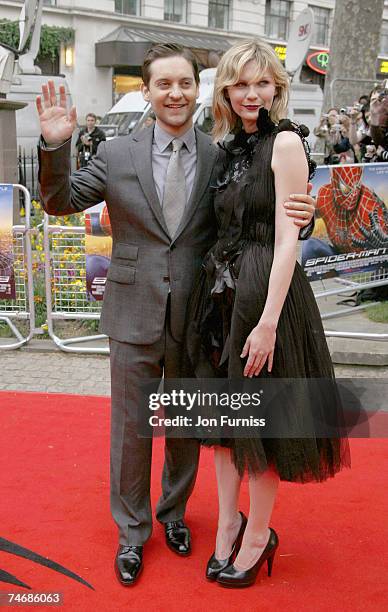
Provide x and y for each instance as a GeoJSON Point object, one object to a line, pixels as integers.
{"type": "Point", "coordinates": [351, 229]}
{"type": "Point", "coordinates": [7, 278]}
{"type": "Point", "coordinates": [98, 250]}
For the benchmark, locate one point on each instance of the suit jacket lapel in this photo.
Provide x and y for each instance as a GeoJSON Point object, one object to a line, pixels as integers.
{"type": "Point", "coordinates": [206, 158]}
{"type": "Point", "coordinates": [141, 148]}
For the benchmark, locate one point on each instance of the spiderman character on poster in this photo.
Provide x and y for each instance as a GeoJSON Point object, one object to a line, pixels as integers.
{"type": "Point", "coordinates": [351, 216]}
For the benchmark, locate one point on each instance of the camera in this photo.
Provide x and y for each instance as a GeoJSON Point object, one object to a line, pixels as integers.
{"type": "Point", "coordinates": [370, 151]}
{"type": "Point", "coordinates": [346, 110]}
{"type": "Point", "coordinates": [384, 93]}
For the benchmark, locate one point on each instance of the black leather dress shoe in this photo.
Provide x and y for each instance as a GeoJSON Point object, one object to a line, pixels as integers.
{"type": "Point", "coordinates": [178, 537]}
{"type": "Point", "coordinates": [129, 564]}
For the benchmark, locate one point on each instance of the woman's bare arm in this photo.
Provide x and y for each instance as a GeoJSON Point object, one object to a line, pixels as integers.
{"type": "Point", "coordinates": [290, 168]}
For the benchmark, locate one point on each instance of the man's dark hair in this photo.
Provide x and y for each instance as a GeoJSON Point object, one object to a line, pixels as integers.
{"type": "Point", "coordinates": [167, 50]}
{"type": "Point", "coordinates": [92, 115]}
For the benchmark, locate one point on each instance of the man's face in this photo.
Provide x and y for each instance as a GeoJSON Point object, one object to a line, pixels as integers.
{"type": "Point", "coordinates": [90, 123]}
{"type": "Point", "coordinates": [172, 92]}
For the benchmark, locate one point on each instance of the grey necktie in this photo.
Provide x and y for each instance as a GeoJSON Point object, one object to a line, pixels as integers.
{"type": "Point", "coordinates": [174, 199]}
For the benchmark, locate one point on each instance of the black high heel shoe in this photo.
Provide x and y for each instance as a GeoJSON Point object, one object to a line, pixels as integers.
{"type": "Point", "coordinates": [214, 565]}
{"type": "Point", "coordinates": [233, 578]}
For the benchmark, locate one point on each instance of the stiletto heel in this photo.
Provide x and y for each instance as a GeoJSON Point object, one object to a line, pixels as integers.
{"type": "Point", "coordinates": [270, 563]}
{"type": "Point", "coordinates": [233, 578]}
{"type": "Point", "coordinates": [214, 565]}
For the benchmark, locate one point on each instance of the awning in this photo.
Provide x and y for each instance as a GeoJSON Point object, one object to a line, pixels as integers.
{"type": "Point", "coordinates": [126, 46]}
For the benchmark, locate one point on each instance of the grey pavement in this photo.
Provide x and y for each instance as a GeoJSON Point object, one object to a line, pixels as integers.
{"type": "Point", "coordinates": [52, 371]}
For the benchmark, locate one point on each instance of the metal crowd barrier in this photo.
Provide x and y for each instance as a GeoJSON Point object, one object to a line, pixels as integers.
{"type": "Point", "coordinates": [66, 297]}
{"type": "Point", "coordinates": [65, 269]}
{"type": "Point", "coordinates": [358, 281]}
{"type": "Point", "coordinates": [22, 307]}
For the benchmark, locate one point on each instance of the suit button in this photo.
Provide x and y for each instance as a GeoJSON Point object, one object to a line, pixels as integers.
{"type": "Point", "coordinates": [166, 279]}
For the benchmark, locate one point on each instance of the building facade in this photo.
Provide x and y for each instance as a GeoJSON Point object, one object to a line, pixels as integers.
{"type": "Point", "coordinates": [110, 37]}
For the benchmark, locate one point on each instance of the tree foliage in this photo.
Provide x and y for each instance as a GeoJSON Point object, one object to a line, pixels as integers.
{"type": "Point", "coordinates": [51, 37]}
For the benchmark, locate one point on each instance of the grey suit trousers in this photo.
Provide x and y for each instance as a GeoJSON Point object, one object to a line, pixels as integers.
{"type": "Point", "coordinates": [131, 455]}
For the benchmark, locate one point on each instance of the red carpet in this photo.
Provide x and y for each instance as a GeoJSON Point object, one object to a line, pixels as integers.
{"type": "Point", "coordinates": [54, 501]}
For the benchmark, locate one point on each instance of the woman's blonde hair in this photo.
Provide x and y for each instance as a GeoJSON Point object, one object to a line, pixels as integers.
{"type": "Point", "coordinates": [228, 73]}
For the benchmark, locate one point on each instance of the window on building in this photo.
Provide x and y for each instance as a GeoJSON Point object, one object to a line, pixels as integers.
{"type": "Point", "coordinates": [127, 7]}
{"type": "Point", "coordinates": [219, 11]}
{"type": "Point", "coordinates": [175, 10]}
{"type": "Point", "coordinates": [277, 18]}
{"type": "Point", "coordinates": [321, 26]}
{"type": "Point", "coordinates": [50, 2]}
{"type": "Point", "coordinates": [384, 38]}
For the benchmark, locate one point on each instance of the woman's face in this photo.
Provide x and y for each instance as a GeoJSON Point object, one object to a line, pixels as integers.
{"type": "Point", "coordinates": [333, 117]}
{"type": "Point", "coordinates": [250, 94]}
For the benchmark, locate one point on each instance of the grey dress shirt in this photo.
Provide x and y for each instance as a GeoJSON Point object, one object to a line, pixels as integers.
{"type": "Point", "coordinates": [161, 153]}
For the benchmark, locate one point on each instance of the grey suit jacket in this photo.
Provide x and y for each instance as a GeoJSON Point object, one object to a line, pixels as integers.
{"type": "Point", "coordinates": [145, 262]}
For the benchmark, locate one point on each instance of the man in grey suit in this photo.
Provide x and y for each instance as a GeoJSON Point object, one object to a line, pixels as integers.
{"type": "Point", "coordinates": [162, 219]}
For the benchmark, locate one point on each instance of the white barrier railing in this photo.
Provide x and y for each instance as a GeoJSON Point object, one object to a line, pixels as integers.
{"type": "Point", "coordinates": [359, 281]}
{"type": "Point", "coordinates": [66, 296]}
{"type": "Point", "coordinates": [22, 307]}
{"type": "Point", "coordinates": [65, 277]}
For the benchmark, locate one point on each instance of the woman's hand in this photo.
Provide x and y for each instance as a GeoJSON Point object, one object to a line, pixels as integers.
{"type": "Point", "coordinates": [259, 347]}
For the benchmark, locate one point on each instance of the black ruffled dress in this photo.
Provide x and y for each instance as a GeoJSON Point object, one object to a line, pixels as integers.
{"type": "Point", "coordinates": [229, 297]}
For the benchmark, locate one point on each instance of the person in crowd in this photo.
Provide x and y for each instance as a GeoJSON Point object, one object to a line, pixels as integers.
{"type": "Point", "coordinates": [379, 121]}
{"type": "Point", "coordinates": [334, 136]}
{"type": "Point", "coordinates": [359, 132]}
{"type": "Point", "coordinates": [324, 132]}
{"type": "Point", "coordinates": [252, 311]}
{"type": "Point", "coordinates": [149, 121]}
{"type": "Point", "coordinates": [157, 186]}
{"type": "Point", "coordinates": [88, 140]}
{"type": "Point", "coordinates": [345, 148]}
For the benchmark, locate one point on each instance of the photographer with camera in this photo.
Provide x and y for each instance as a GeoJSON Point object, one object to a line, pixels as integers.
{"type": "Point", "coordinates": [379, 120]}
{"type": "Point", "coordinates": [359, 132]}
{"type": "Point", "coordinates": [333, 130]}
{"type": "Point", "coordinates": [344, 147]}
{"type": "Point", "coordinates": [88, 140]}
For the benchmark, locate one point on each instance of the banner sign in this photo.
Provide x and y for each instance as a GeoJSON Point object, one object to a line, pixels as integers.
{"type": "Point", "coordinates": [318, 61]}
{"type": "Point", "coordinates": [351, 228]}
{"type": "Point", "coordinates": [98, 250]}
{"type": "Point", "coordinates": [299, 38]}
{"type": "Point", "coordinates": [7, 277]}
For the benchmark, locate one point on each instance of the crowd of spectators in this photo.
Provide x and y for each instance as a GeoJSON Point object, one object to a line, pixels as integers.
{"type": "Point", "coordinates": [358, 133]}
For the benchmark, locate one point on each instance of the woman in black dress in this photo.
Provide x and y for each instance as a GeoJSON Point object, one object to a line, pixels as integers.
{"type": "Point", "coordinates": [252, 311]}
